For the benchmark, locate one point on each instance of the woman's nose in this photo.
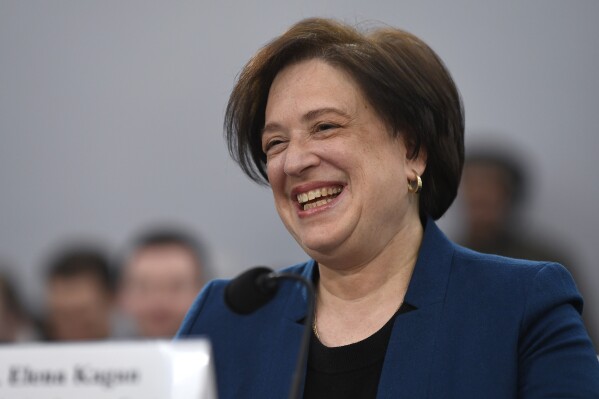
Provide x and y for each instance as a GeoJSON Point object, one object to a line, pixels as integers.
{"type": "Point", "coordinates": [299, 157]}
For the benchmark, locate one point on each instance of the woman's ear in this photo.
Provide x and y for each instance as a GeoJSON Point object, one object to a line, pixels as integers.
{"type": "Point", "coordinates": [415, 161]}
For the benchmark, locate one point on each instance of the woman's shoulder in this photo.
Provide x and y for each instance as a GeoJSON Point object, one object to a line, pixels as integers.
{"type": "Point", "coordinates": [515, 277]}
{"type": "Point", "coordinates": [210, 308]}
{"type": "Point", "coordinates": [501, 265]}
{"type": "Point", "coordinates": [461, 264]}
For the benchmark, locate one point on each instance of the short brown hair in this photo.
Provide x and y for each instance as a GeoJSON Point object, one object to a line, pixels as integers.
{"type": "Point", "coordinates": [405, 81]}
{"type": "Point", "coordinates": [76, 260]}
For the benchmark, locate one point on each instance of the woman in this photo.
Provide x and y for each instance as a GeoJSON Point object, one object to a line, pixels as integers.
{"type": "Point", "coordinates": [361, 140]}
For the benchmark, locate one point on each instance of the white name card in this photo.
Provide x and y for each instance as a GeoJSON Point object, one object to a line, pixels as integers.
{"type": "Point", "coordinates": [111, 370]}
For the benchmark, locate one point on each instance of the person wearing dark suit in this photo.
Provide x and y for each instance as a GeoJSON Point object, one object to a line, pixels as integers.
{"type": "Point", "coordinates": [361, 139]}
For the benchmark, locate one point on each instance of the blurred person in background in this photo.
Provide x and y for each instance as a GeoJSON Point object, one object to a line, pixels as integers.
{"type": "Point", "coordinates": [493, 191]}
{"type": "Point", "coordinates": [15, 323]}
{"type": "Point", "coordinates": [80, 295]}
{"type": "Point", "coordinates": [162, 274]}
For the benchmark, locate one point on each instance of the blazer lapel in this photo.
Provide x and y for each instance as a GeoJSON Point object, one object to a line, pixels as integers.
{"type": "Point", "coordinates": [286, 343]}
{"type": "Point", "coordinates": [410, 353]}
{"type": "Point", "coordinates": [283, 359]}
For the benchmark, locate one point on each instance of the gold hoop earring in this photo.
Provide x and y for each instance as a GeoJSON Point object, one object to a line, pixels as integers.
{"type": "Point", "coordinates": [415, 186]}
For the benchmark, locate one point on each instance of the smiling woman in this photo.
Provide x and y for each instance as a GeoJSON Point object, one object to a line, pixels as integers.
{"type": "Point", "coordinates": [360, 137]}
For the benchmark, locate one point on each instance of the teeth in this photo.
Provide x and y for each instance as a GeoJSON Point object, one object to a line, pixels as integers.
{"type": "Point", "coordinates": [317, 203]}
{"type": "Point", "coordinates": [302, 198]}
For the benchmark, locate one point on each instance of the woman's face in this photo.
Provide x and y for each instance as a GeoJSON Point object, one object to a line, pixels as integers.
{"type": "Point", "coordinates": [338, 177]}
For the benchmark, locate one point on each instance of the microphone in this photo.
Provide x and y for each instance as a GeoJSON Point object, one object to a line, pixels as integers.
{"type": "Point", "coordinates": [253, 289]}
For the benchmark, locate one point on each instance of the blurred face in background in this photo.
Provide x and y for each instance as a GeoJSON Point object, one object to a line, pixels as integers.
{"type": "Point", "coordinates": [79, 308]}
{"type": "Point", "coordinates": [159, 285]}
{"type": "Point", "coordinates": [487, 197]}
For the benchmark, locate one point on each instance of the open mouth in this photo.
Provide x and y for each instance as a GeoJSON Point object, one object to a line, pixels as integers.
{"type": "Point", "coordinates": [318, 197]}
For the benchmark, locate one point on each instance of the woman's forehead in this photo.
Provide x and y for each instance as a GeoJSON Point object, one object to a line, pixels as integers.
{"type": "Point", "coordinates": [304, 88]}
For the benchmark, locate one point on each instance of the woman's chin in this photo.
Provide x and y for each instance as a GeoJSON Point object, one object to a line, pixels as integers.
{"type": "Point", "coordinates": [325, 246]}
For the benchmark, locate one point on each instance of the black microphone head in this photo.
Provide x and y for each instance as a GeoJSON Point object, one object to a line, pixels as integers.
{"type": "Point", "coordinates": [250, 290]}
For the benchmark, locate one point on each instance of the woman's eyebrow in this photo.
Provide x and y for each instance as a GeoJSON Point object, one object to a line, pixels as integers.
{"type": "Point", "coordinates": [271, 126]}
{"type": "Point", "coordinates": [311, 115]}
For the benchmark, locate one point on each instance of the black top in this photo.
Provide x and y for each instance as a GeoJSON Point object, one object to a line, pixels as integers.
{"type": "Point", "coordinates": [350, 371]}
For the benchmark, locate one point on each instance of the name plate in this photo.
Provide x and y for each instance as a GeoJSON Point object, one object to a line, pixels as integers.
{"type": "Point", "coordinates": [108, 370]}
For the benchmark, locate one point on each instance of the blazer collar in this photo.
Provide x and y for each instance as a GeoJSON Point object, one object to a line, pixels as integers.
{"type": "Point", "coordinates": [409, 361]}
{"type": "Point", "coordinates": [431, 273]}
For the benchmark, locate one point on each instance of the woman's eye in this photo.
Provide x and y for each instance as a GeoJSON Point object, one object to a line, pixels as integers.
{"type": "Point", "coordinates": [325, 126]}
{"type": "Point", "coordinates": [271, 144]}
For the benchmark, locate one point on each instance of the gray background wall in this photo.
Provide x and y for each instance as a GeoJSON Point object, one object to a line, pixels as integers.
{"type": "Point", "coordinates": [111, 114]}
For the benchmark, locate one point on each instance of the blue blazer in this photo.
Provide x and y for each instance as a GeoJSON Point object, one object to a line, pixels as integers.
{"type": "Point", "coordinates": [484, 327]}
